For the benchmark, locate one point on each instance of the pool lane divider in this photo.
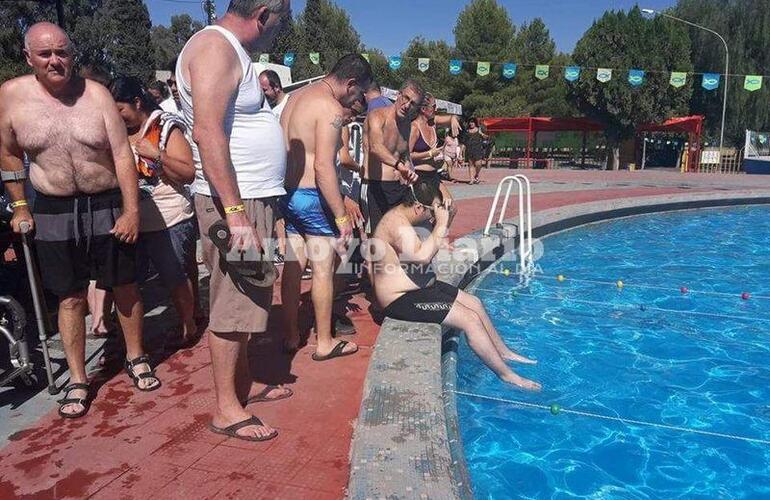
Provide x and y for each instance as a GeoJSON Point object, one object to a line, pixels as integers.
{"type": "Point", "coordinates": [557, 410]}
{"type": "Point", "coordinates": [621, 284]}
{"type": "Point", "coordinates": [642, 307]}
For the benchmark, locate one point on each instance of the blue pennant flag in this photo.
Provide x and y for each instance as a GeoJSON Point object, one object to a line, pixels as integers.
{"type": "Point", "coordinates": [288, 59]}
{"type": "Point", "coordinates": [509, 70]}
{"type": "Point", "coordinates": [455, 66]}
{"type": "Point", "coordinates": [636, 77]}
{"type": "Point", "coordinates": [572, 73]}
{"type": "Point", "coordinates": [394, 62]}
{"type": "Point", "coordinates": [710, 81]}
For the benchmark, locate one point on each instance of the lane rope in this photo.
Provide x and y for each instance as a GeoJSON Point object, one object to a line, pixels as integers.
{"type": "Point", "coordinates": [629, 306]}
{"type": "Point", "coordinates": [627, 421]}
{"type": "Point", "coordinates": [542, 277]}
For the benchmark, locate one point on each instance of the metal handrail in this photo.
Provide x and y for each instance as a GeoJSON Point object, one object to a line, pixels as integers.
{"type": "Point", "coordinates": [525, 217]}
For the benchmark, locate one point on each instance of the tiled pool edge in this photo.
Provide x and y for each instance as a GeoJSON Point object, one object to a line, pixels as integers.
{"type": "Point", "coordinates": [407, 442]}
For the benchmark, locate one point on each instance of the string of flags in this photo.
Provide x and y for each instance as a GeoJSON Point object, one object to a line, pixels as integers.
{"type": "Point", "coordinates": [635, 77]}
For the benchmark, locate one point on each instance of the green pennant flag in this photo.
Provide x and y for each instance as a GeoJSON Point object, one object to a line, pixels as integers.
{"type": "Point", "coordinates": [678, 79]}
{"type": "Point", "coordinates": [752, 82]}
{"type": "Point", "coordinates": [482, 68]}
{"type": "Point", "coordinates": [315, 58]}
{"type": "Point", "coordinates": [264, 58]}
{"type": "Point", "coordinates": [366, 56]}
{"type": "Point", "coordinates": [542, 71]}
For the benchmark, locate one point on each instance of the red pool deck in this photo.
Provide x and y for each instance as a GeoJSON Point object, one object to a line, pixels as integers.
{"type": "Point", "coordinates": [140, 445]}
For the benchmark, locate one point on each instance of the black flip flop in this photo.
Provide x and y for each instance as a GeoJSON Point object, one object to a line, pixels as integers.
{"type": "Point", "coordinates": [232, 431]}
{"type": "Point", "coordinates": [84, 402]}
{"type": "Point", "coordinates": [131, 364]}
{"type": "Point", "coordinates": [262, 396]}
{"type": "Point", "coordinates": [258, 273]}
{"type": "Point", "coordinates": [337, 352]}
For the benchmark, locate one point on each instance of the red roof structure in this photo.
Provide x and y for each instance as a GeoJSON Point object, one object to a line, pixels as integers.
{"type": "Point", "coordinates": [690, 125]}
{"type": "Point", "coordinates": [534, 124]}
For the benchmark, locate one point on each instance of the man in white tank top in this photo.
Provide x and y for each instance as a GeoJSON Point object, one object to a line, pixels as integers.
{"type": "Point", "coordinates": [240, 161]}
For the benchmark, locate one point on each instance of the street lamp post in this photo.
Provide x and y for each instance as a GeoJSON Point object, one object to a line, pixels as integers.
{"type": "Point", "coordinates": [727, 66]}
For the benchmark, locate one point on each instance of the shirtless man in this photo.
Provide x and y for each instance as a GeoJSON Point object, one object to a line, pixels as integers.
{"type": "Point", "coordinates": [407, 289]}
{"type": "Point", "coordinates": [387, 169]}
{"type": "Point", "coordinates": [316, 218]}
{"type": "Point", "coordinates": [86, 211]}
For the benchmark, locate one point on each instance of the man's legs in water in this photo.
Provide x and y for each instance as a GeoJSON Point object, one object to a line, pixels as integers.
{"type": "Point", "coordinates": [473, 303]}
{"type": "Point", "coordinates": [466, 319]}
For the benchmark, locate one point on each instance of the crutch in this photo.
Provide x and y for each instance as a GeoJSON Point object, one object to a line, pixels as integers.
{"type": "Point", "coordinates": [39, 306]}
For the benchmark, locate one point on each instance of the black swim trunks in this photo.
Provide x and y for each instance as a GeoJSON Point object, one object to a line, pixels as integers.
{"type": "Point", "coordinates": [424, 305]}
{"type": "Point", "coordinates": [377, 198]}
{"type": "Point", "coordinates": [74, 244]}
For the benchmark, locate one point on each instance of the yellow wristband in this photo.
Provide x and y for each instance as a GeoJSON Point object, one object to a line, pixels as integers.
{"type": "Point", "coordinates": [235, 209]}
{"type": "Point", "coordinates": [342, 220]}
{"type": "Point", "coordinates": [20, 203]}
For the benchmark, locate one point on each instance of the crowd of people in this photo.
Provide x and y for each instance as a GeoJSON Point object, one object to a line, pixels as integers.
{"type": "Point", "coordinates": [127, 178]}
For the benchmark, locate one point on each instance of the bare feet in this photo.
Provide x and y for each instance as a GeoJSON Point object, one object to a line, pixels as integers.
{"type": "Point", "coordinates": [223, 421]}
{"type": "Point", "coordinates": [512, 356]}
{"type": "Point", "coordinates": [522, 383]}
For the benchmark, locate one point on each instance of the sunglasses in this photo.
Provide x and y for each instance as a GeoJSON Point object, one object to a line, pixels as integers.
{"type": "Point", "coordinates": [171, 83]}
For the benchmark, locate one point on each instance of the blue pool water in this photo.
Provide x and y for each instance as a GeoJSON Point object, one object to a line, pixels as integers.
{"type": "Point", "coordinates": [638, 352]}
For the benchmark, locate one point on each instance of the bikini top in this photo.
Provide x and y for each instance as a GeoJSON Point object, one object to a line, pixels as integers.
{"type": "Point", "coordinates": [420, 146]}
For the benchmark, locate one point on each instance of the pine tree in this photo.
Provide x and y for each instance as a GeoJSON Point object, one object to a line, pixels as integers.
{"type": "Point", "coordinates": [124, 30]}
{"type": "Point", "coordinates": [167, 42]}
{"type": "Point", "coordinates": [745, 25]}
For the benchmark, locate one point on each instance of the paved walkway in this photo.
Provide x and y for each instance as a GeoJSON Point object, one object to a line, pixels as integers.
{"type": "Point", "coordinates": [135, 445]}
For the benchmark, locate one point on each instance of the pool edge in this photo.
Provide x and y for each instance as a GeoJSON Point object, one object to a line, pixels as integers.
{"type": "Point", "coordinates": [449, 476]}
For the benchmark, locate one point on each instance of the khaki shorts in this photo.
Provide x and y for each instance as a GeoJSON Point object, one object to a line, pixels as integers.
{"type": "Point", "coordinates": [235, 306]}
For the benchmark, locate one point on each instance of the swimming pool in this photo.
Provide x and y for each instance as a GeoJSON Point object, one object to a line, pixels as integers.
{"type": "Point", "coordinates": [673, 347]}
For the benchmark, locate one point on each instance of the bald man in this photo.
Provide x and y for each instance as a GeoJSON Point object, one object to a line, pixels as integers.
{"type": "Point", "coordinates": [86, 216]}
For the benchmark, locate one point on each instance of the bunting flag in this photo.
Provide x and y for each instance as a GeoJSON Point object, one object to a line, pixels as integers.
{"type": "Point", "coordinates": [752, 82]}
{"type": "Point", "coordinates": [509, 70]}
{"type": "Point", "coordinates": [710, 81]}
{"type": "Point", "coordinates": [571, 73]}
{"type": "Point", "coordinates": [636, 77]}
{"type": "Point", "coordinates": [678, 79]}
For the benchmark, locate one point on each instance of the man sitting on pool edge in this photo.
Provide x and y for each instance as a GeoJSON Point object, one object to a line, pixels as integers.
{"type": "Point", "coordinates": [407, 289]}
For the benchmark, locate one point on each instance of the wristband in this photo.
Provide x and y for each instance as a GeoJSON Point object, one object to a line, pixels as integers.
{"type": "Point", "coordinates": [13, 175]}
{"type": "Point", "coordinates": [235, 209]}
{"type": "Point", "coordinates": [342, 220]}
{"type": "Point", "coordinates": [17, 204]}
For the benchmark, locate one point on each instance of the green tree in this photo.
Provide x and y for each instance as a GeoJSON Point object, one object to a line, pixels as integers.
{"type": "Point", "coordinates": [167, 42]}
{"type": "Point", "coordinates": [622, 41]}
{"type": "Point", "coordinates": [484, 32]}
{"type": "Point", "coordinates": [124, 31]}
{"type": "Point", "coordinates": [325, 28]}
{"type": "Point", "coordinates": [15, 18]}
{"type": "Point", "coordinates": [745, 25]}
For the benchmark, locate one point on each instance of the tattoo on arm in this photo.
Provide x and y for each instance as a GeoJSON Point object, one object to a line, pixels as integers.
{"type": "Point", "coordinates": [338, 122]}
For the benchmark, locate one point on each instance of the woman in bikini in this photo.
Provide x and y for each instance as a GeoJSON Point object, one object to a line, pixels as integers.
{"type": "Point", "coordinates": [426, 154]}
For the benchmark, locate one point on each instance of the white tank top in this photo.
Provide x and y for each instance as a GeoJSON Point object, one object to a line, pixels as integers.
{"type": "Point", "coordinates": [257, 148]}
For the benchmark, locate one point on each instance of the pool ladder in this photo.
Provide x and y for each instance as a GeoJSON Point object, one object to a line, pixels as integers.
{"type": "Point", "coordinates": [526, 265]}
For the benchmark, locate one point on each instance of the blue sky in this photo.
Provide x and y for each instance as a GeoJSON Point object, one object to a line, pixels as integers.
{"type": "Point", "coordinates": [390, 24]}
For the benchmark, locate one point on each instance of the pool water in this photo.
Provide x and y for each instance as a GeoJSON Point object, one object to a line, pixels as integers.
{"type": "Point", "coordinates": [645, 351]}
